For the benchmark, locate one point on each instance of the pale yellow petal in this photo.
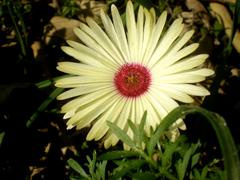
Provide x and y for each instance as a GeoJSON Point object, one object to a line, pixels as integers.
{"type": "Point", "coordinates": [119, 28]}
{"type": "Point", "coordinates": [106, 61]}
{"type": "Point", "coordinates": [100, 128]}
{"type": "Point", "coordinates": [172, 33]}
{"type": "Point", "coordinates": [91, 111]}
{"type": "Point", "coordinates": [78, 102]}
{"type": "Point", "coordinates": [92, 43]}
{"type": "Point", "coordinates": [140, 25]}
{"type": "Point", "coordinates": [174, 93]}
{"type": "Point", "coordinates": [131, 31]}
{"type": "Point", "coordinates": [78, 80]}
{"type": "Point", "coordinates": [81, 56]}
{"type": "Point", "coordinates": [110, 29]}
{"type": "Point", "coordinates": [147, 31]}
{"type": "Point", "coordinates": [100, 36]}
{"type": "Point", "coordinates": [89, 88]}
{"type": "Point", "coordinates": [170, 59]}
{"type": "Point", "coordinates": [155, 36]}
{"type": "Point", "coordinates": [81, 69]}
{"type": "Point", "coordinates": [185, 64]}
{"type": "Point", "coordinates": [181, 78]}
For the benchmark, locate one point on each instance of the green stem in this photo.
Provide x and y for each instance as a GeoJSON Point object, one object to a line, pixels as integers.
{"type": "Point", "coordinates": [18, 34]}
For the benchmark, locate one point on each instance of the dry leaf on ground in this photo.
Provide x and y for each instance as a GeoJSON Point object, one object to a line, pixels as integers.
{"type": "Point", "coordinates": [62, 27]}
{"type": "Point", "coordinates": [223, 16]}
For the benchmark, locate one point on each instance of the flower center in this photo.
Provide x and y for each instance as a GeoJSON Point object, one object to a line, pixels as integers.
{"type": "Point", "coordinates": [132, 80]}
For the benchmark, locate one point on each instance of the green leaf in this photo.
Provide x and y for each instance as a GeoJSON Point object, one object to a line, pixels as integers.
{"type": "Point", "coordinates": [121, 134]}
{"type": "Point", "coordinates": [182, 165]}
{"type": "Point", "coordinates": [169, 149]}
{"type": "Point", "coordinates": [142, 135]}
{"type": "Point", "coordinates": [74, 165]}
{"type": "Point", "coordinates": [195, 159]}
{"type": "Point", "coordinates": [136, 136]}
{"type": "Point", "coordinates": [144, 176]}
{"type": "Point", "coordinates": [92, 163]}
{"type": "Point", "coordinates": [44, 105]}
{"type": "Point", "coordinates": [164, 125]}
{"type": "Point", "coordinates": [49, 82]}
{"type": "Point", "coordinates": [2, 134]}
{"type": "Point", "coordinates": [204, 173]}
{"type": "Point", "coordinates": [101, 170]}
{"type": "Point", "coordinates": [139, 135]}
{"type": "Point", "coordinates": [117, 155]}
{"type": "Point", "coordinates": [126, 166]}
{"type": "Point", "coordinates": [227, 145]}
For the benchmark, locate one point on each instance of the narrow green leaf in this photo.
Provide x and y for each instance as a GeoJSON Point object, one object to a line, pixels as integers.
{"type": "Point", "coordinates": [92, 164]}
{"type": "Point", "coordinates": [49, 82]}
{"type": "Point", "coordinates": [204, 173]}
{"type": "Point", "coordinates": [117, 155]}
{"type": "Point", "coordinates": [142, 135]}
{"type": "Point", "coordinates": [168, 153]}
{"type": "Point", "coordinates": [144, 176]}
{"type": "Point", "coordinates": [195, 159]}
{"type": "Point", "coordinates": [126, 167]}
{"type": "Point", "coordinates": [74, 165]}
{"type": "Point", "coordinates": [143, 121]}
{"type": "Point", "coordinates": [121, 135]}
{"type": "Point", "coordinates": [136, 133]}
{"type": "Point", "coordinates": [182, 165]}
{"type": "Point", "coordinates": [196, 174]}
{"type": "Point", "coordinates": [44, 105]}
{"type": "Point", "coordinates": [101, 170]}
{"type": "Point", "coordinates": [2, 134]}
{"type": "Point", "coordinates": [177, 113]}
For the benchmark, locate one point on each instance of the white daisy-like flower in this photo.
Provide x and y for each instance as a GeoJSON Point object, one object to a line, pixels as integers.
{"type": "Point", "coordinates": [123, 72]}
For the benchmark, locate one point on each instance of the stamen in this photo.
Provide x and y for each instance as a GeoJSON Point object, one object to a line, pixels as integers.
{"type": "Point", "coordinates": [132, 80]}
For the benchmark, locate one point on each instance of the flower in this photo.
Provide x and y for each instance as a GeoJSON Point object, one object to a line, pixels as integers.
{"type": "Point", "coordinates": [121, 73]}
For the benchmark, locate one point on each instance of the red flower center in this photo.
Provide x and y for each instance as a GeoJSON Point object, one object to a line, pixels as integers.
{"type": "Point", "coordinates": [132, 80]}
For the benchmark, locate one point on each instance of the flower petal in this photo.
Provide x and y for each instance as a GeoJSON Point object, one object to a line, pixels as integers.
{"type": "Point", "coordinates": [188, 88]}
{"type": "Point", "coordinates": [170, 59]}
{"type": "Point", "coordinates": [131, 31]}
{"type": "Point", "coordinates": [81, 69]}
{"type": "Point", "coordinates": [121, 123]}
{"type": "Point", "coordinates": [172, 33]}
{"type": "Point", "coordinates": [140, 25]}
{"type": "Point", "coordinates": [91, 111]}
{"type": "Point", "coordinates": [117, 21]}
{"type": "Point", "coordinates": [109, 27]}
{"type": "Point", "coordinates": [174, 93]}
{"type": "Point", "coordinates": [83, 100]}
{"type": "Point", "coordinates": [81, 56]}
{"type": "Point", "coordinates": [185, 64]}
{"type": "Point", "coordinates": [181, 78]}
{"type": "Point", "coordinates": [100, 128]}
{"type": "Point", "coordinates": [88, 88]}
{"type": "Point", "coordinates": [100, 36]}
{"type": "Point", "coordinates": [105, 61]}
{"type": "Point", "coordinates": [78, 80]}
{"type": "Point", "coordinates": [92, 43]}
{"type": "Point", "coordinates": [155, 36]}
